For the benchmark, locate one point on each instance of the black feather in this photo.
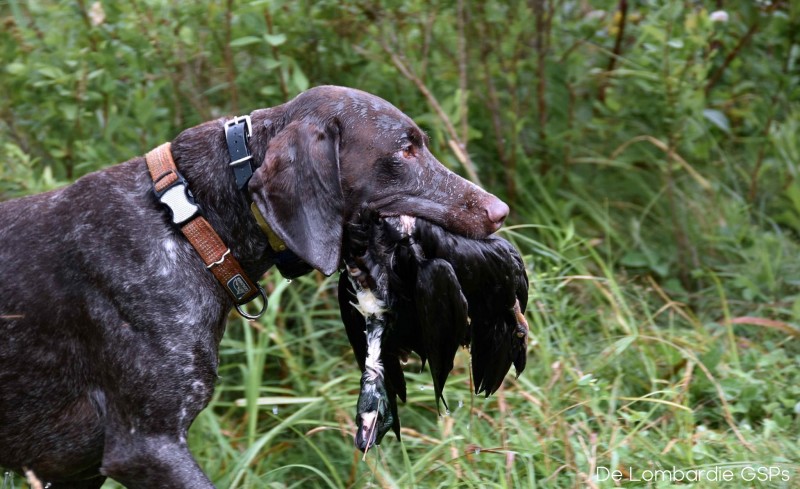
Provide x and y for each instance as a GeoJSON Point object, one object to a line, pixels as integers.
{"type": "Point", "coordinates": [442, 311]}
{"type": "Point", "coordinates": [354, 324]}
{"type": "Point", "coordinates": [441, 290]}
{"type": "Point", "coordinates": [493, 279]}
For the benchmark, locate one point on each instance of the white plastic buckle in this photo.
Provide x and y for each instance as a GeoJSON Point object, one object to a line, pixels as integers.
{"type": "Point", "coordinates": [179, 202]}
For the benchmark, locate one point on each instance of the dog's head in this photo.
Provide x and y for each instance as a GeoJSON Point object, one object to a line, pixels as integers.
{"type": "Point", "coordinates": [339, 149]}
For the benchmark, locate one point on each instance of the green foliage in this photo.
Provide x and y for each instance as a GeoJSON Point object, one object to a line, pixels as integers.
{"type": "Point", "coordinates": [650, 159]}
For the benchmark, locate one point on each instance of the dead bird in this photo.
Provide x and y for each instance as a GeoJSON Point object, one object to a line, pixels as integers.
{"type": "Point", "coordinates": [411, 286]}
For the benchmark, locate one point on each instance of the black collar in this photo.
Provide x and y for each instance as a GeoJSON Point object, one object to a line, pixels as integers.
{"type": "Point", "coordinates": [237, 134]}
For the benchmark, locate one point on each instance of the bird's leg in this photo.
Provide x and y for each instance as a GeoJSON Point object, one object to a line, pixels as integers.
{"type": "Point", "coordinates": [522, 331]}
{"type": "Point", "coordinates": [522, 324]}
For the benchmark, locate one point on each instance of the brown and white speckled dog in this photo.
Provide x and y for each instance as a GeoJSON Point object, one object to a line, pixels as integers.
{"type": "Point", "coordinates": [109, 321]}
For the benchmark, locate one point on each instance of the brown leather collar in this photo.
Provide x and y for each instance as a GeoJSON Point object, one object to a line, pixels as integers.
{"type": "Point", "coordinates": [172, 191]}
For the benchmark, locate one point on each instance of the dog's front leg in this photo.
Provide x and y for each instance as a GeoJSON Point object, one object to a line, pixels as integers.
{"type": "Point", "coordinates": [153, 462]}
{"type": "Point", "coordinates": [157, 379]}
{"type": "Point", "coordinates": [145, 444]}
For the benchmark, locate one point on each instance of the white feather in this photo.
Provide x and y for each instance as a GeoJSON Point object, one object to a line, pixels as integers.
{"type": "Point", "coordinates": [369, 305]}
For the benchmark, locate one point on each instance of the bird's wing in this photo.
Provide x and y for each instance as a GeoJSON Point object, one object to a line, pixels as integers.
{"type": "Point", "coordinates": [354, 323]}
{"type": "Point", "coordinates": [495, 283]}
{"type": "Point", "coordinates": [442, 313]}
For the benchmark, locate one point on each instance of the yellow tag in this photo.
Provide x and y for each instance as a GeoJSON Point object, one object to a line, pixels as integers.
{"type": "Point", "coordinates": [275, 242]}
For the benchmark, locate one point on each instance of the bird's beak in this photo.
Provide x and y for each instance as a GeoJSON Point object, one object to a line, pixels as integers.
{"type": "Point", "coordinates": [367, 432]}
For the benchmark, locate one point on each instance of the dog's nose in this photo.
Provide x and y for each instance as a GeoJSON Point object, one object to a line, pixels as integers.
{"type": "Point", "coordinates": [496, 211]}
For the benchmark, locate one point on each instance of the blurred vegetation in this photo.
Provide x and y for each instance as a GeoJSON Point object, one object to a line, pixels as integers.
{"type": "Point", "coordinates": [649, 152]}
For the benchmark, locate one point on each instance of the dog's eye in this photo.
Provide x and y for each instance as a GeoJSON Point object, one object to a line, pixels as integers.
{"type": "Point", "coordinates": [409, 151]}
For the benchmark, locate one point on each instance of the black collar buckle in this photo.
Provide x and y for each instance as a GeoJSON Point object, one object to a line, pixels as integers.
{"type": "Point", "coordinates": [237, 134]}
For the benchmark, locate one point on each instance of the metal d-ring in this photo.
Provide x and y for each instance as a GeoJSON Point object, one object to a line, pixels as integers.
{"type": "Point", "coordinates": [263, 308]}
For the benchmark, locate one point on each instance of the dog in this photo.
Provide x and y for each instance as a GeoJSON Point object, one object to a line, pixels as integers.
{"type": "Point", "coordinates": [111, 321]}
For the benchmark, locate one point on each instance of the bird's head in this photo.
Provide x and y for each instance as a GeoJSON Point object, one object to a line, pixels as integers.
{"type": "Point", "coordinates": [373, 414]}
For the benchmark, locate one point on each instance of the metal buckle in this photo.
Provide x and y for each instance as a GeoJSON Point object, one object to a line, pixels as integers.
{"type": "Point", "coordinates": [242, 168]}
{"type": "Point", "coordinates": [220, 261]}
{"type": "Point", "coordinates": [263, 308]}
{"type": "Point", "coordinates": [178, 200]}
{"type": "Point", "coordinates": [241, 160]}
{"type": "Point", "coordinates": [238, 120]}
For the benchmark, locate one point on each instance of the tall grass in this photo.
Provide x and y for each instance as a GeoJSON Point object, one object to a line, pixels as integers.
{"type": "Point", "coordinates": [620, 375]}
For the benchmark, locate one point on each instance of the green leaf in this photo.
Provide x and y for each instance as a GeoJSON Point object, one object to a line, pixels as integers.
{"type": "Point", "coordinates": [622, 344]}
{"type": "Point", "coordinates": [300, 80]}
{"type": "Point", "coordinates": [51, 72]}
{"type": "Point", "coordinates": [271, 64]}
{"type": "Point", "coordinates": [718, 119]}
{"type": "Point", "coordinates": [70, 111]}
{"type": "Point", "coordinates": [634, 259]}
{"type": "Point", "coordinates": [245, 41]}
{"type": "Point", "coordinates": [186, 35]}
{"type": "Point", "coordinates": [275, 39]}
{"type": "Point", "coordinates": [675, 43]}
{"type": "Point", "coordinates": [16, 68]}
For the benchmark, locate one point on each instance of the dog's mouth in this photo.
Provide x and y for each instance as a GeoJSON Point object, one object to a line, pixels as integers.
{"type": "Point", "coordinates": [406, 224]}
{"type": "Point", "coordinates": [471, 217]}
{"type": "Point", "coordinates": [454, 224]}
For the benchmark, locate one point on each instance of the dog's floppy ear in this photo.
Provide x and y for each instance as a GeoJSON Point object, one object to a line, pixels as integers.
{"type": "Point", "coordinates": [298, 191]}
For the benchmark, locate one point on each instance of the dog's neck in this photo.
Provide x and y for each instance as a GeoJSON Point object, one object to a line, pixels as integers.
{"type": "Point", "coordinates": [201, 155]}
